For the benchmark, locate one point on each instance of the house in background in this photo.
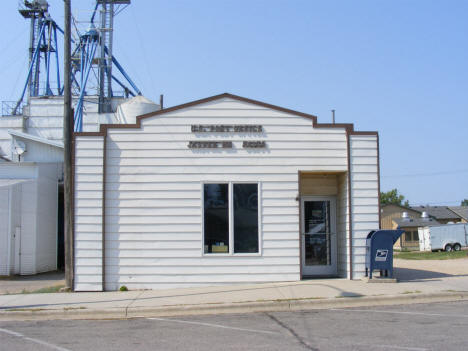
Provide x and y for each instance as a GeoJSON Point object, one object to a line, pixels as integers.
{"type": "Point", "coordinates": [392, 215]}
{"type": "Point", "coordinates": [411, 218]}
{"type": "Point", "coordinates": [442, 214]}
{"type": "Point", "coordinates": [461, 211]}
{"type": "Point", "coordinates": [410, 239]}
{"type": "Point", "coordinates": [389, 212]}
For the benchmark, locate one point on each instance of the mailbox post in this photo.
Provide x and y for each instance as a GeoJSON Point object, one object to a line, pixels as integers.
{"type": "Point", "coordinates": [379, 251]}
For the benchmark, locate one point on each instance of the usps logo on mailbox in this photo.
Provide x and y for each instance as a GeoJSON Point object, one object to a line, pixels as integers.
{"type": "Point", "coordinates": [381, 255]}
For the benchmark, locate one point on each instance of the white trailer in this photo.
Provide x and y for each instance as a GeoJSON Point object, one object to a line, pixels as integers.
{"type": "Point", "coordinates": [446, 237]}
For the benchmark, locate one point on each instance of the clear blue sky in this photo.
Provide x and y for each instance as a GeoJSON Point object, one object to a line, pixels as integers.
{"type": "Point", "coordinates": [398, 67]}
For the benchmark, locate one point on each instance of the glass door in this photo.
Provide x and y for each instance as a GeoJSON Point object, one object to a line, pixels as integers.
{"type": "Point", "coordinates": [318, 231]}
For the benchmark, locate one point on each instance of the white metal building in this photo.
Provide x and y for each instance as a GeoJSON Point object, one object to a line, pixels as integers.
{"type": "Point", "coordinates": [222, 190]}
{"type": "Point", "coordinates": [31, 176]}
{"type": "Point", "coordinates": [28, 217]}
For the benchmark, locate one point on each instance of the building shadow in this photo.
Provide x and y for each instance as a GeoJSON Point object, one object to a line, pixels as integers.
{"type": "Point", "coordinates": [48, 276]}
{"type": "Point", "coordinates": [412, 275]}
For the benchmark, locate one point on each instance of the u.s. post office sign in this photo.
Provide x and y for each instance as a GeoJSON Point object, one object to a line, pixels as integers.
{"type": "Point", "coordinates": [226, 128]}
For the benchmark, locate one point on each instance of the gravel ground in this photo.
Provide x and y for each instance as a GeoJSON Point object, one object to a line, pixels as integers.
{"type": "Point", "coordinates": [19, 283]}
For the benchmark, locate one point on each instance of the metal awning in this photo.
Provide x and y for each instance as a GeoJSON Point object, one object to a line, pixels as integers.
{"type": "Point", "coordinates": [9, 182]}
{"type": "Point", "coordinates": [36, 138]}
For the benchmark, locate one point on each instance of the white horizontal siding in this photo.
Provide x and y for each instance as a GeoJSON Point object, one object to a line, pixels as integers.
{"type": "Point", "coordinates": [286, 159]}
{"type": "Point", "coordinates": [364, 192]}
{"type": "Point", "coordinates": [88, 220]}
{"type": "Point", "coordinates": [152, 170]}
{"type": "Point", "coordinates": [276, 145]}
{"type": "Point", "coordinates": [225, 261]}
{"type": "Point", "coordinates": [343, 225]}
{"type": "Point", "coordinates": [191, 175]}
{"type": "Point", "coordinates": [153, 198]}
{"type": "Point", "coordinates": [162, 280]}
{"type": "Point", "coordinates": [183, 137]}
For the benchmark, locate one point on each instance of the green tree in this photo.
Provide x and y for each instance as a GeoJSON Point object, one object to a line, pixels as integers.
{"type": "Point", "coordinates": [392, 197]}
{"type": "Point", "coordinates": [464, 202]}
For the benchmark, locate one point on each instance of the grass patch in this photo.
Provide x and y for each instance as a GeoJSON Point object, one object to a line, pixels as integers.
{"type": "Point", "coordinates": [411, 292]}
{"type": "Point", "coordinates": [50, 289]}
{"type": "Point", "coordinates": [26, 310]}
{"type": "Point", "coordinates": [427, 255]}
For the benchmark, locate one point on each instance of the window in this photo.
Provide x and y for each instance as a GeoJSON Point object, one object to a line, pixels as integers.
{"type": "Point", "coordinates": [216, 218]}
{"type": "Point", "coordinates": [245, 218]}
{"type": "Point", "coordinates": [411, 235]}
{"type": "Point", "coordinates": [407, 235]}
{"type": "Point", "coordinates": [230, 218]}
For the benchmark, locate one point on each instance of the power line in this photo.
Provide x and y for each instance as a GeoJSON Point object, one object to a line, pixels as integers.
{"type": "Point", "coordinates": [423, 203]}
{"type": "Point", "coordinates": [426, 174]}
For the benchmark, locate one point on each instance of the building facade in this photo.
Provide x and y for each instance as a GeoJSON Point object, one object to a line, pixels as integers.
{"type": "Point", "coordinates": [222, 190]}
{"type": "Point", "coordinates": [390, 217]}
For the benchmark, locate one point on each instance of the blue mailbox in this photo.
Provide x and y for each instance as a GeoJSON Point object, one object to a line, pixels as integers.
{"type": "Point", "coordinates": [379, 251]}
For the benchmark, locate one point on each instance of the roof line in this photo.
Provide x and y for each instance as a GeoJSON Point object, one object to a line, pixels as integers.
{"type": "Point", "coordinates": [461, 215]}
{"type": "Point", "coordinates": [403, 207]}
{"type": "Point", "coordinates": [349, 127]}
{"type": "Point", "coordinates": [35, 138]}
{"type": "Point", "coordinates": [4, 158]}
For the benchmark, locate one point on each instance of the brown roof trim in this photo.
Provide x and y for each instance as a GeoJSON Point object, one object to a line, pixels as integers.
{"type": "Point", "coordinates": [231, 96]}
{"type": "Point", "coordinates": [89, 134]}
{"type": "Point", "coordinates": [357, 132]}
{"type": "Point", "coordinates": [349, 127]}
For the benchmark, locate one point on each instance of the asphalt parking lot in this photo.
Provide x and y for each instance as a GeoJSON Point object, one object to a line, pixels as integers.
{"type": "Point", "coordinates": [418, 327]}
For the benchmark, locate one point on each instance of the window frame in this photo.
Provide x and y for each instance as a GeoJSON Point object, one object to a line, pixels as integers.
{"type": "Point", "coordinates": [231, 219]}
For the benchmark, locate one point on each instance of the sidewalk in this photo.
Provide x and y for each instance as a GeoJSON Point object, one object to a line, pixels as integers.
{"type": "Point", "coordinates": [416, 285]}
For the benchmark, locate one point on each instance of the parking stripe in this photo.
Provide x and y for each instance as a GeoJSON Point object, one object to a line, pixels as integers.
{"type": "Point", "coordinates": [214, 325]}
{"type": "Point", "coordinates": [401, 312]}
{"type": "Point", "coordinates": [400, 347]}
{"type": "Point", "coordinates": [37, 341]}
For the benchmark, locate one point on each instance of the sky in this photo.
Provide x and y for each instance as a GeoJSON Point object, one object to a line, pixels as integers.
{"type": "Point", "coordinates": [398, 67]}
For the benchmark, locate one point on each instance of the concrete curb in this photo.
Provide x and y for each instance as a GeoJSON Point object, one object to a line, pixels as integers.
{"type": "Point", "coordinates": [240, 307]}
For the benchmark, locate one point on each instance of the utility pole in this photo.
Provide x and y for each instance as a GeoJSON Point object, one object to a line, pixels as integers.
{"type": "Point", "coordinates": [67, 154]}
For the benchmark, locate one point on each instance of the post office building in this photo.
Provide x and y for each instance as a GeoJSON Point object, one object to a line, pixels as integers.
{"type": "Point", "coordinates": [222, 190]}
